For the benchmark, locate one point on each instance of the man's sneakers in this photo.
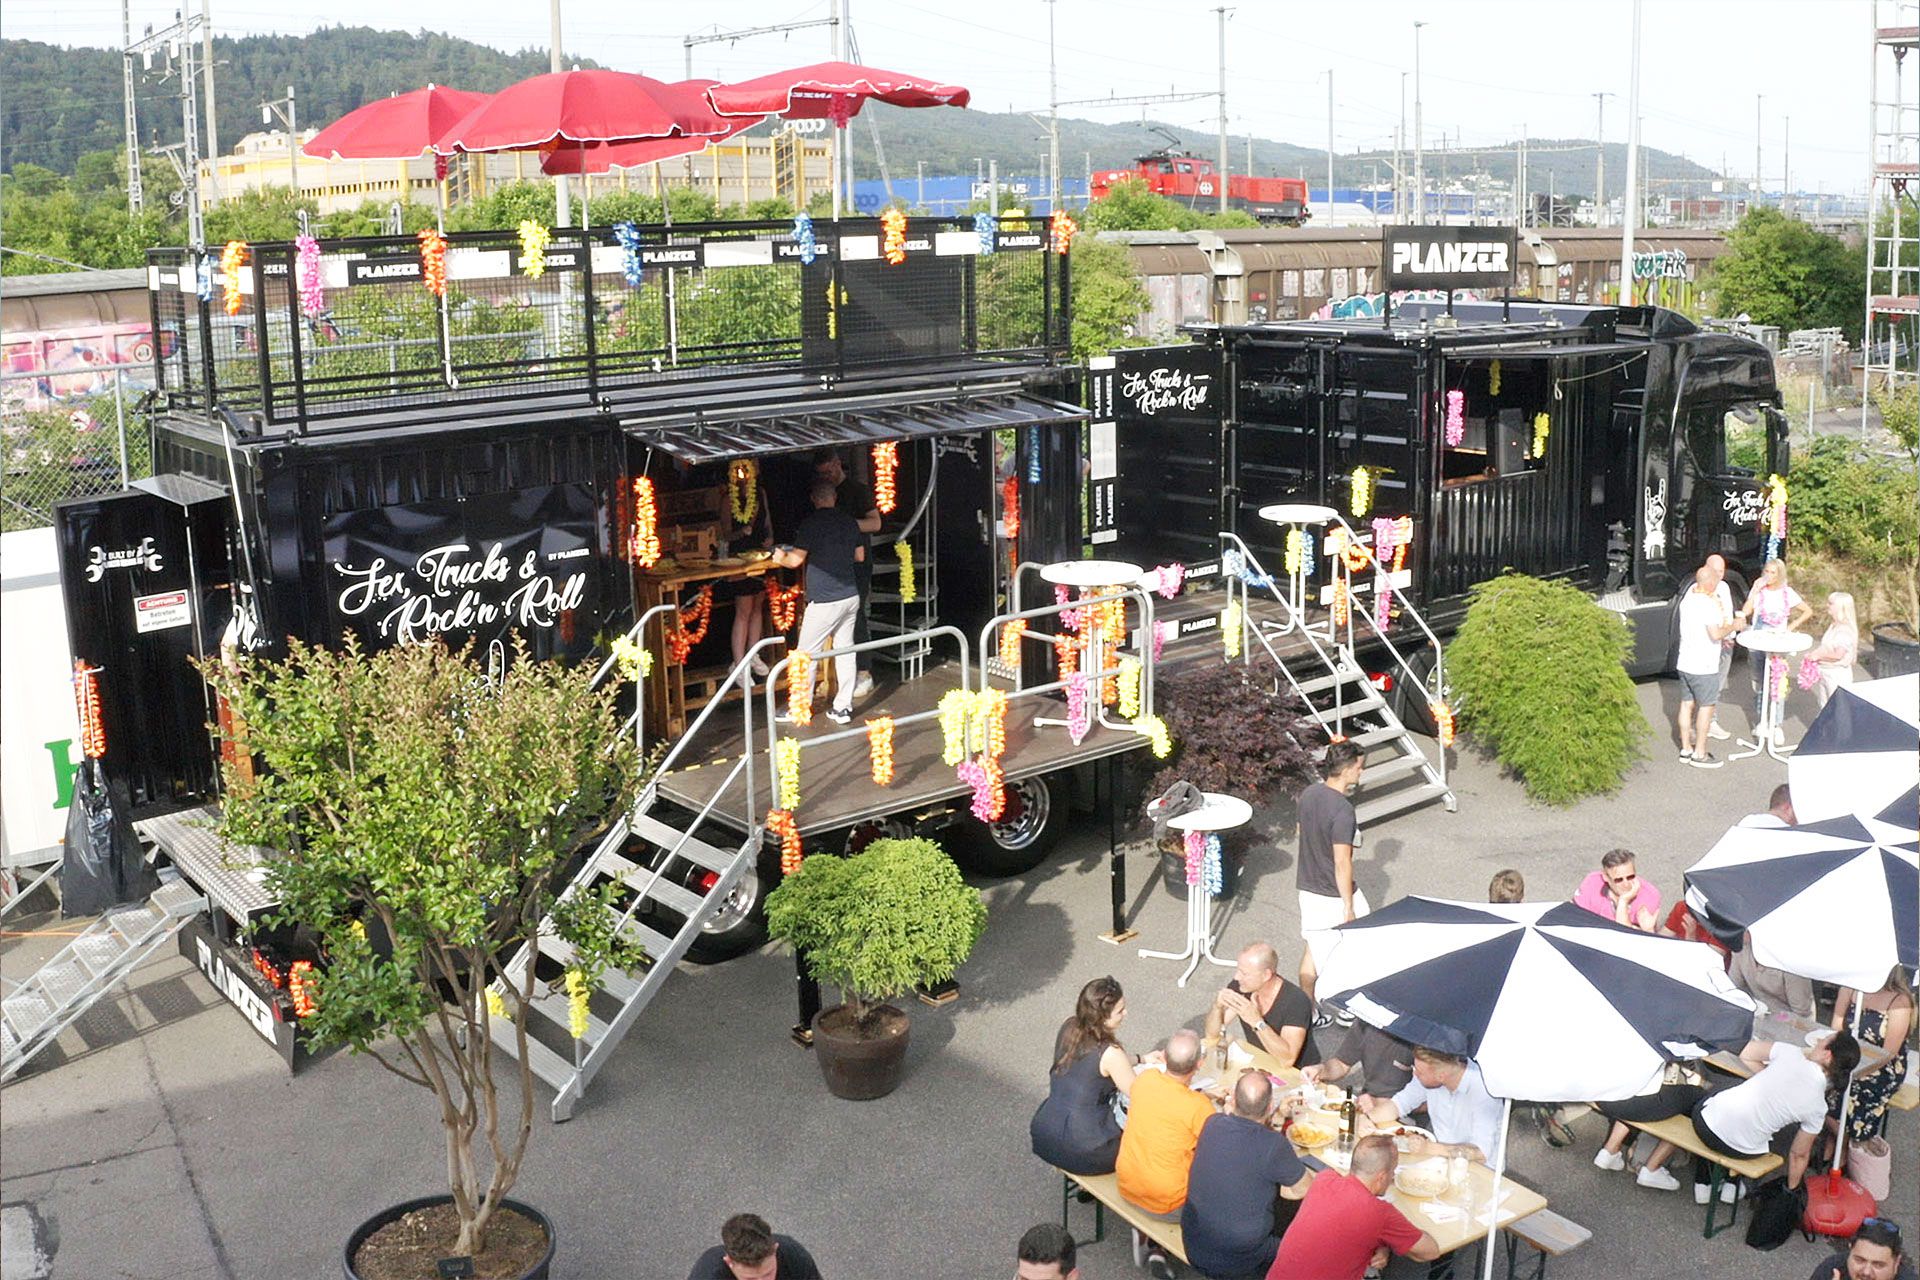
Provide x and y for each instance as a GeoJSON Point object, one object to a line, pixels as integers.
{"type": "Point", "coordinates": [1730, 1192]}
{"type": "Point", "coordinates": [1686, 755]}
{"type": "Point", "coordinates": [863, 687]}
{"type": "Point", "coordinates": [1705, 760]}
{"type": "Point", "coordinates": [1718, 734]}
{"type": "Point", "coordinates": [1658, 1179]}
{"type": "Point", "coordinates": [838, 716]}
{"type": "Point", "coordinates": [1611, 1161]}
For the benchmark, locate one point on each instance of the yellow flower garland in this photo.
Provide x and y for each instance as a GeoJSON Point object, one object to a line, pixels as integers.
{"type": "Point", "coordinates": [880, 750]}
{"type": "Point", "coordinates": [497, 1007]}
{"type": "Point", "coordinates": [1493, 378]}
{"type": "Point", "coordinates": [577, 1004]}
{"type": "Point", "coordinates": [742, 495]}
{"type": "Point", "coordinates": [909, 589]}
{"type": "Point", "coordinates": [787, 766]}
{"type": "Point", "coordinates": [1230, 628]}
{"type": "Point", "coordinates": [633, 660]}
{"type": "Point", "coordinates": [956, 709]}
{"type": "Point", "coordinates": [1294, 546]}
{"type": "Point", "coordinates": [800, 687]}
{"type": "Point", "coordinates": [534, 240]}
{"type": "Point", "coordinates": [1362, 501]}
{"type": "Point", "coordinates": [1156, 729]}
{"type": "Point", "coordinates": [1129, 687]}
{"type": "Point", "coordinates": [1540, 429]}
{"type": "Point", "coordinates": [232, 259]}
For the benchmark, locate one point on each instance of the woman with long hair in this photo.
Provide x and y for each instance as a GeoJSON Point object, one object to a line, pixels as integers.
{"type": "Point", "coordinates": [1772, 605]}
{"type": "Point", "coordinates": [1886, 1016]}
{"type": "Point", "coordinates": [1075, 1129]}
{"type": "Point", "coordinates": [1839, 646]}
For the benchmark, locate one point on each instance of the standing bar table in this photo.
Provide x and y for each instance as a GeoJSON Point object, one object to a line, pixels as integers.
{"type": "Point", "coordinates": [1298, 515]}
{"type": "Point", "coordinates": [1771, 641]}
{"type": "Point", "coordinates": [1091, 575]}
{"type": "Point", "coordinates": [1219, 813]}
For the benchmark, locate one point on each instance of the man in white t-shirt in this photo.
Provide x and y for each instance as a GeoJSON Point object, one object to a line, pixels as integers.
{"type": "Point", "coordinates": [1703, 625]}
{"type": "Point", "coordinates": [1724, 594]}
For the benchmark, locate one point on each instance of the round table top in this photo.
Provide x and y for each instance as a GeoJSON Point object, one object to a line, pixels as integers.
{"type": "Point", "coordinates": [1297, 513]}
{"type": "Point", "coordinates": [1219, 813]}
{"type": "Point", "coordinates": [1091, 573]}
{"type": "Point", "coordinates": [1776, 640]}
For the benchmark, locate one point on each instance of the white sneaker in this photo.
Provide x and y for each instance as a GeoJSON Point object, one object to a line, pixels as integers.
{"type": "Point", "coordinates": [863, 686]}
{"type": "Point", "coordinates": [1731, 1190]}
{"type": "Point", "coordinates": [1615, 1161]}
{"type": "Point", "coordinates": [1715, 731]}
{"type": "Point", "coordinates": [1658, 1179]}
{"type": "Point", "coordinates": [760, 669]}
{"type": "Point", "coordinates": [1702, 1193]}
{"type": "Point", "coordinates": [1779, 736]}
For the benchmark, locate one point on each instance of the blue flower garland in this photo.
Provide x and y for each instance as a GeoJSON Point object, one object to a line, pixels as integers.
{"type": "Point", "coordinates": [1212, 876]}
{"type": "Point", "coordinates": [203, 278]}
{"type": "Point", "coordinates": [984, 226]}
{"type": "Point", "coordinates": [1033, 456]}
{"type": "Point", "coordinates": [803, 236]}
{"type": "Point", "coordinates": [631, 265]}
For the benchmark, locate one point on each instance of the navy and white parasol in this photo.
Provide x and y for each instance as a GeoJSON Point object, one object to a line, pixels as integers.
{"type": "Point", "coordinates": [1837, 901]}
{"type": "Point", "coordinates": [1861, 755]}
{"type": "Point", "coordinates": [1555, 1003]}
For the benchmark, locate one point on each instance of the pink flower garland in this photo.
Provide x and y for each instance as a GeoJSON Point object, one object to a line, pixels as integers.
{"type": "Point", "coordinates": [313, 288]}
{"type": "Point", "coordinates": [1777, 672]}
{"type": "Point", "coordinates": [1162, 632]}
{"type": "Point", "coordinates": [1079, 708]}
{"type": "Point", "coordinates": [989, 791]}
{"type": "Point", "coordinates": [1069, 618]}
{"type": "Point", "coordinates": [1385, 539]}
{"type": "Point", "coordinates": [1456, 418]}
{"type": "Point", "coordinates": [1196, 855]}
{"type": "Point", "coordinates": [1809, 673]}
{"type": "Point", "coordinates": [1169, 578]}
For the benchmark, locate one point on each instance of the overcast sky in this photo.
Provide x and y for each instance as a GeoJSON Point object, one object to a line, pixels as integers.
{"type": "Point", "coordinates": [1489, 67]}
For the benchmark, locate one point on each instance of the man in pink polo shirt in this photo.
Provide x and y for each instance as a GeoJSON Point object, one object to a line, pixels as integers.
{"type": "Point", "coordinates": [1617, 892]}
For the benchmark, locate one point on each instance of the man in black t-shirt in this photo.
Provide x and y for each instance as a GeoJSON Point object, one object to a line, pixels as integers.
{"type": "Point", "coordinates": [829, 543]}
{"type": "Point", "coordinates": [748, 1250]}
{"type": "Point", "coordinates": [1323, 873]}
{"type": "Point", "coordinates": [1273, 1014]}
{"type": "Point", "coordinates": [857, 501]}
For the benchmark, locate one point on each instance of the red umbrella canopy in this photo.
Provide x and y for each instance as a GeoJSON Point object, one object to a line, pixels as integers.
{"type": "Point", "coordinates": [599, 157]}
{"type": "Point", "coordinates": [581, 106]}
{"type": "Point", "coordinates": [396, 128]}
{"type": "Point", "coordinates": [831, 90]}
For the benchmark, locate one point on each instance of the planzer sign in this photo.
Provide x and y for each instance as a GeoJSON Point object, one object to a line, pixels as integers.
{"type": "Point", "coordinates": [1448, 257]}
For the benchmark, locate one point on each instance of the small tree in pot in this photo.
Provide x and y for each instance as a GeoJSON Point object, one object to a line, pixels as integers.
{"type": "Point", "coordinates": [430, 814]}
{"type": "Point", "coordinates": [894, 916]}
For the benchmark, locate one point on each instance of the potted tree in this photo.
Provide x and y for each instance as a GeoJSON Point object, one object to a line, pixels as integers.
{"type": "Point", "coordinates": [430, 816]}
{"type": "Point", "coordinates": [876, 924]}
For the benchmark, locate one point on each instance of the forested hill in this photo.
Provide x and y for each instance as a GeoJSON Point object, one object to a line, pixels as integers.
{"type": "Point", "coordinates": [60, 103]}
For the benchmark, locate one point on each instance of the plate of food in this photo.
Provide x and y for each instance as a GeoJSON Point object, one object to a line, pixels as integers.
{"type": "Point", "coordinates": [1421, 1178]}
{"type": "Point", "coordinates": [728, 562]}
{"type": "Point", "coordinates": [756, 555]}
{"type": "Point", "coordinates": [1310, 1134]}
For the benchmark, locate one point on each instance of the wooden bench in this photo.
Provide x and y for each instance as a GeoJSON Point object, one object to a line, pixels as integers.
{"type": "Point", "coordinates": [1547, 1232]}
{"type": "Point", "coordinates": [1680, 1132]}
{"type": "Point", "coordinates": [1105, 1190]}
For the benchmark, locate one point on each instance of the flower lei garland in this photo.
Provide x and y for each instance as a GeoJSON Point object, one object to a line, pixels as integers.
{"type": "Point", "coordinates": [1011, 634]}
{"type": "Point", "coordinates": [743, 495]}
{"type": "Point", "coordinates": [800, 687]}
{"type": "Point", "coordinates": [232, 259]}
{"type": "Point", "coordinates": [1065, 655]}
{"type": "Point", "coordinates": [886, 472]}
{"type": "Point", "coordinates": [1110, 619]}
{"type": "Point", "coordinates": [781, 824]}
{"type": "Point", "coordinates": [956, 708]}
{"type": "Point", "coordinates": [1230, 618]}
{"type": "Point", "coordinates": [1129, 681]}
{"type": "Point", "coordinates": [633, 660]}
{"type": "Point", "coordinates": [786, 765]}
{"type": "Point", "coordinates": [534, 240]}
{"type": "Point", "coordinates": [804, 239]}
{"type": "Point", "coordinates": [1156, 729]}
{"type": "Point", "coordinates": [1774, 517]}
{"type": "Point", "coordinates": [203, 278]}
{"type": "Point", "coordinates": [1010, 506]}
{"type": "Point", "coordinates": [1033, 457]}
{"type": "Point", "coordinates": [1542, 427]}
{"type": "Point", "coordinates": [1168, 579]}
{"type": "Point", "coordinates": [984, 226]}
{"type": "Point", "coordinates": [1442, 722]}
{"type": "Point", "coordinates": [497, 1006]}
{"type": "Point", "coordinates": [1162, 632]}
{"type": "Point", "coordinates": [1456, 418]}
{"type": "Point", "coordinates": [893, 245]}
{"type": "Point", "coordinates": [1063, 230]}
{"type": "Point", "coordinates": [880, 750]}
{"type": "Point", "coordinates": [690, 625]}
{"type": "Point", "coordinates": [1361, 500]}
{"type": "Point", "coordinates": [632, 265]}
{"type": "Point", "coordinates": [1232, 563]}
{"type": "Point", "coordinates": [313, 285]}
{"type": "Point", "coordinates": [1069, 618]}
{"type": "Point", "coordinates": [577, 1003]}
{"type": "Point", "coordinates": [783, 603]}
{"type": "Point", "coordinates": [1079, 708]}
{"type": "Point", "coordinates": [909, 587]}
{"type": "Point", "coordinates": [990, 722]}
{"type": "Point", "coordinates": [86, 697]}
{"type": "Point", "coordinates": [989, 788]}
{"type": "Point", "coordinates": [644, 542]}
{"type": "Point", "coordinates": [1385, 533]}
{"type": "Point", "coordinates": [1493, 378]}
{"type": "Point", "coordinates": [1196, 846]}
{"type": "Point", "coordinates": [433, 262]}
{"type": "Point", "coordinates": [1203, 861]}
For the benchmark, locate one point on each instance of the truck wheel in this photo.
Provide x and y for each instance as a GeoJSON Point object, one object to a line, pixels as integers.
{"type": "Point", "coordinates": [1035, 814]}
{"type": "Point", "coordinates": [739, 925]}
{"type": "Point", "coordinates": [1410, 697]}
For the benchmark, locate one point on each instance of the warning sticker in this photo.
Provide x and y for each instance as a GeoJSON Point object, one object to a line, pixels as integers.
{"type": "Point", "coordinates": [159, 612]}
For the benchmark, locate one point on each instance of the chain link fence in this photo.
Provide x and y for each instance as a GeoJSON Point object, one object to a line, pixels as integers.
{"type": "Point", "coordinates": [70, 434]}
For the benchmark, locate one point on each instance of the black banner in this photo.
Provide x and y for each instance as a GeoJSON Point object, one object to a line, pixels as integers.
{"type": "Point", "coordinates": [1448, 257]}
{"type": "Point", "coordinates": [383, 270]}
{"type": "Point", "coordinates": [476, 568]}
{"type": "Point", "coordinates": [674, 255]}
{"type": "Point", "coordinates": [569, 259]}
{"type": "Point", "coordinates": [1168, 385]}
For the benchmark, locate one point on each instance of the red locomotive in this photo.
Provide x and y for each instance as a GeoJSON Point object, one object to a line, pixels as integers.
{"type": "Point", "coordinates": [1168, 172]}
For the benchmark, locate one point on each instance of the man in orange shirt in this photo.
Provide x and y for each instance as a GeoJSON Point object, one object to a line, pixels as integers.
{"type": "Point", "coordinates": [1164, 1116]}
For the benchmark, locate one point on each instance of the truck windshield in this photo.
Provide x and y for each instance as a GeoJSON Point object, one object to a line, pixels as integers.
{"type": "Point", "coordinates": [1726, 439]}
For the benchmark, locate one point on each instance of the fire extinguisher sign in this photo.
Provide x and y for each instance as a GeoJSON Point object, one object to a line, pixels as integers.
{"type": "Point", "coordinates": [162, 611]}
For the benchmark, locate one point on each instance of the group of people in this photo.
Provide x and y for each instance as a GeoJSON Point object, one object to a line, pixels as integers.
{"type": "Point", "coordinates": [1708, 623]}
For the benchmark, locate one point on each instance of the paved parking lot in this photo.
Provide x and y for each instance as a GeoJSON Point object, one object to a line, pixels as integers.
{"type": "Point", "coordinates": [164, 1139]}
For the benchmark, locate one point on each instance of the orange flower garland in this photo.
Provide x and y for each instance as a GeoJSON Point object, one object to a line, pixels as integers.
{"type": "Point", "coordinates": [232, 259]}
{"type": "Point", "coordinates": [303, 986]}
{"type": "Point", "coordinates": [894, 245]}
{"type": "Point", "coordinates": [780, 822]}
{"type": "Point", "coordinates": [644, 542]}
{"type": "Point", "coordinates": [886, 468]}
{"type": "Point", "coordinates": [86, 696]}
{"type": "Point", "coordinates": [1064, 230]}
{"type": "Point", "coordinates": [1442, 722]}
{"type": "Point", "coordinates": [1011, 634]}
{"type": "Point", "coordinates": [991, 708]}
{"type": "Point", "coordinates": [690, 626]}
{"type": "Point", "coordinates": [783, 603]}
{"type": "Point", "coordinates": [1066, 654]}
{"type": "Point", "coordinates": [433, 262]}
{"type": "Point", "coordinates": [880, 750]}
{"type": "Point", "coordinates": [800, 687]}
{"type": "Point", "coordinates": [1010, 506]}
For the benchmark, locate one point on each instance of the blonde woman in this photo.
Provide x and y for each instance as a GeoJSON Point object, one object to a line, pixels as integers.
{"type": "Point", "coordinates": [1772, 605]}
{"type": "Point", "coordinates": [1839, 646]}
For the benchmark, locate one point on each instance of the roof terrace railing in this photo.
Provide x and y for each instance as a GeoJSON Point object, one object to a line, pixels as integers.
{"type": "Point", "coordinates": [351, 326]}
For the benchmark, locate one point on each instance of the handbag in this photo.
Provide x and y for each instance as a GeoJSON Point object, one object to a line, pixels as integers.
{"type": "Point", "coordinates": [1777, 1210]}
{"type": "Point", "coordinates": [1870, 1163]}
{"type": "Point", "coordinates": [1180, 798]}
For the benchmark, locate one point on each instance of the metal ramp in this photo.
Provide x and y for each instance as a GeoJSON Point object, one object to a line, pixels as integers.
{"type": "Point", "coordinates": [35, 1012]}
{"type": "Point", "coordinates": [1399, 774]}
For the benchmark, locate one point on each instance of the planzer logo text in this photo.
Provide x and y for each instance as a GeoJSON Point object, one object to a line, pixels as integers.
{"type": "Point", "coordinates": [235, 989]}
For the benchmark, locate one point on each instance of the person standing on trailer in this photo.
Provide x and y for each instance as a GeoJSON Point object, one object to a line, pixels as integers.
{"type": "Point", "coordinates": [857, 501]}
{"type": "Point", "coordinates": [830, 546]}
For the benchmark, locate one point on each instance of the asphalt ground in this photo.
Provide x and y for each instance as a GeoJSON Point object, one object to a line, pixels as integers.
{"type": "Point", "coordinates": [161, 1138]}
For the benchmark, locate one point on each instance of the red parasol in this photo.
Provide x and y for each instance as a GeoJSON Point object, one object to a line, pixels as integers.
{"type": "Point", "coordinates": [600, 157]}
{"type": "Point", "coordinates": [831, 90]}
{"type": "Point", "coordinates": [396, 128]}
{"type": "Point", "coordinates": [582, 106]}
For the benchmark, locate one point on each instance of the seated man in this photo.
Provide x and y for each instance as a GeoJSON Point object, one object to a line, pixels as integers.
{"type": "Point", "coordinates": [1464, 1117]}
{"type": "Point", "coordinates": [1617, 893]}
{"type": "Point", "coordinates": [1776, 988]}
{"type": "Point", "coordinates": [1345, 1224]}
{"type": "Point", "coordinates": [748, 1250]}
{"type": "Point", "coordinates": [1368, 1060]}
{"type": "Point", "coordinates": [1238, 1166]}
{"type": "Point", "coordinates": [1272, 1013]}
{"type": "Point", "coordinates": [1875, 1254]}
{"type": "Point", "coordinates": [1047, 1252]}
{"type": "Point", "coordinates": [1164, 1118]}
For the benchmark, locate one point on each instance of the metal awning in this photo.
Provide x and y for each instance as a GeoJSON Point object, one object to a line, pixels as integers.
{"type": "Point", "coordinates": [717, 438]}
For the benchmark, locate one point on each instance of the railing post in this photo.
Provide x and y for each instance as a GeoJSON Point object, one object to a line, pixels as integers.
{"type": "Point", "coordinates": [296, 320]}
{"type": "Point", "coordinates": [586, 303]}
{"type": "Point", "coordinates": [264, 356]}
{"type": "Point", "coordinates": [120, 421]}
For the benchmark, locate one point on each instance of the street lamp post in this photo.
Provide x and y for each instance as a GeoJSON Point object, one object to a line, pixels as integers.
{"type": "Point", "coordinates": [1419, 140]}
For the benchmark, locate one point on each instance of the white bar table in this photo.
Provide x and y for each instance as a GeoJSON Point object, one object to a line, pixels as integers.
{"type": "Point", "coordinates": [1090, 575]}
{"type": "Point", "coordinates": [1298, 515]}
{"type": "Point", "coordinates": [1771, 641]}
{"type": "Point", "coordinates": [1219, 813]}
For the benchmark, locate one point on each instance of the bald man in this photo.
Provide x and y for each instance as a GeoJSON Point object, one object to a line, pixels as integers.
{"type": "Point", "coordinates": [1273, 1014]}
{"type": "Point", "coordinates": [1239, 1168]}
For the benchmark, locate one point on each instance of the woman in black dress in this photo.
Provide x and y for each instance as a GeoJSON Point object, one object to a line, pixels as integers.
{"type": "Point", "coordinates": [1075, 1128]}
{"type": "Point", "coordinates": [748, 593]}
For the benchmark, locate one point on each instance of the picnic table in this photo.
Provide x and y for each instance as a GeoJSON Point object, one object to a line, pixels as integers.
{"type": "Point", "coordinates": [1781, 1025]}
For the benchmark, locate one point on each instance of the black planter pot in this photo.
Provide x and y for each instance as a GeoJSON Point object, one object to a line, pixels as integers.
{"type": "Point", "coordinates": [1896, 650]}
{"type": "Point", "coordinates": [856, 1069]}
{"type": "Point", "coordinates": [1173, 873]}
{"type": "Point", "coordinates": [539, 1271]}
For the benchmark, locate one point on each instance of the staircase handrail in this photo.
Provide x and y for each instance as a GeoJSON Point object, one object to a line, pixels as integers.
{"type": "Point", "coordinates": [1295, 621]}
{"type": "Point", "coordinates": [1435, 685]}
{"type": "Point", "coordinates": [1138, 595]}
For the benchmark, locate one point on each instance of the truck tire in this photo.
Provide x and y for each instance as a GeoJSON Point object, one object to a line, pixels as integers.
{"type": "Point", "coordinates": [1035, 815]}
{"type": "Point", "coordinates": [1410, 698]}
{"type": "Point", "coordinates": [740, 925]}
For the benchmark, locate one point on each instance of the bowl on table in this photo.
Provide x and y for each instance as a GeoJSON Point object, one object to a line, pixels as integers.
{"type": "Point", "coordinates": [1421, 1178]}
{"type": "Point", "coordinates": [1313, 1130]}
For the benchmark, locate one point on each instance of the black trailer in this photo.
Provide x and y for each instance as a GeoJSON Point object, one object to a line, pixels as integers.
{"type": "Point", "coordinates": [1612, 447]}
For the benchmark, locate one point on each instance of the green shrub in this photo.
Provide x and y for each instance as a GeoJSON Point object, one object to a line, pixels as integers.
{"type": "Point", "coordinates": [892, 917]}
{"type": "Point", "coordinates": [1233, 733]}
{"type": "Point", "coordinates": [1537, 668]}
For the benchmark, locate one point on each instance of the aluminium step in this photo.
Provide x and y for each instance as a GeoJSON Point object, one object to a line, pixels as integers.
{"type": "Point", "coordinates": [680, 844]}
{"type": "Point", "coordinates": [654, 887]}
{"type": "Point", "coordinates": [26, 1012]}
{"type": "Point", "coordinates": [1343, 675]}
{"type": "Point", "coordinates": [1390, 770]}
{"type": "Point", "coordinates": [1377, 807]}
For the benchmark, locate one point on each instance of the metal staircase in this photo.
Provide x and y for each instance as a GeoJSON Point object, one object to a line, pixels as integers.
{"type": "Point", "coordinates": [35, 1012]}
{"type": "Point", "coordinates": [674, 881]}
{"type": "Point", "coordinates": [1399, 774]}
{"type": "Point", "coordinates": [889, 614]}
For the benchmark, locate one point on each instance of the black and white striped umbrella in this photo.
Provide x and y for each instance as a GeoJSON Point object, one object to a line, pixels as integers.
{"type": "Point", "coordinates": [1862, 754]}
{"type": "Point", "coordinates": [1555, 1003]}
{"type": "Point", "coordinates": [1837, 901]}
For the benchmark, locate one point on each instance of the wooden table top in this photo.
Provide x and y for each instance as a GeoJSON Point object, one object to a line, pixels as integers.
{"type": "Point", "coordinates": [687, 574]}
{"type": "Point", "coordinates": [1778, 1025]}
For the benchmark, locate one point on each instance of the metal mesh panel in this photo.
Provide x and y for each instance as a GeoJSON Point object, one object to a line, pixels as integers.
{"type": "Point", "coordinates": [69, 435]}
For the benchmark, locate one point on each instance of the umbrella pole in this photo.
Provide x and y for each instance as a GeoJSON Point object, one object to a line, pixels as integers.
{"type": "Point", "coordinates": [834, 162]}
{"type": "Point", "coordinates": [1846, 1097]}
{"type": "Point", "coordinates": [1493, 1209]}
